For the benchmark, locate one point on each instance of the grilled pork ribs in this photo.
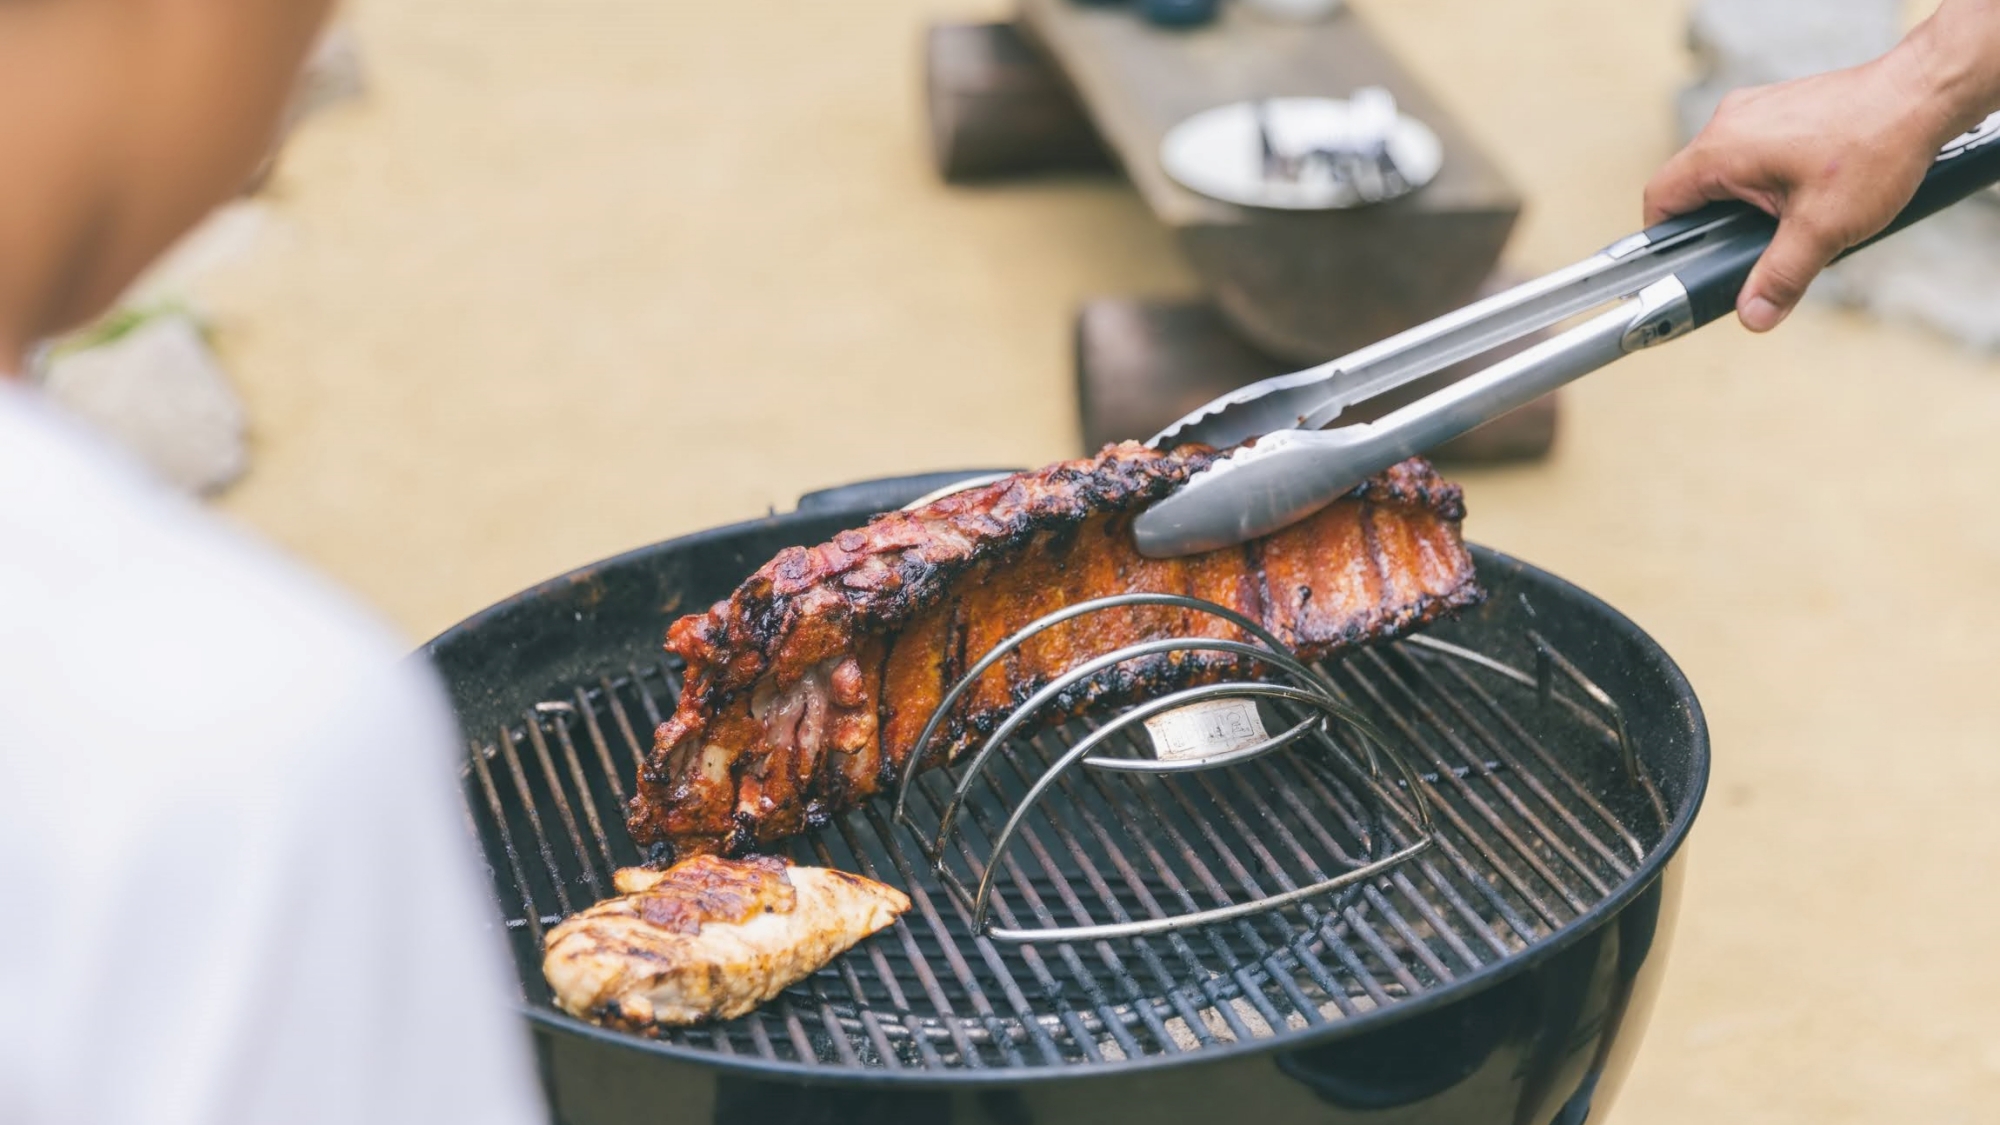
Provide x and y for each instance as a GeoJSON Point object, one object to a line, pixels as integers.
{"type": "Point", "coordinates": [806, 689]}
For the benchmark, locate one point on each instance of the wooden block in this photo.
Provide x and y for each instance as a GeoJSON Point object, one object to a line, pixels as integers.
{"type": "Point", "coordinates": [1299, 285]}
{"type": "Point", "coordinates": [1141, 363]}
{"type": "Point", "coordinates": [997, 108]}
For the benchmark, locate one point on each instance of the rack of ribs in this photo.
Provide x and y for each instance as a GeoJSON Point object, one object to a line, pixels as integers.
{"type": "Point", "coordinates": [806, 689]}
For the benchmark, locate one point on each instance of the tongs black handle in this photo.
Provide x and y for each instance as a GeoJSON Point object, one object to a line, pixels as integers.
{"type": "Point", "coordinates": [1661, 285]}
{"type": "Point", "coordinates": [1715, 281]}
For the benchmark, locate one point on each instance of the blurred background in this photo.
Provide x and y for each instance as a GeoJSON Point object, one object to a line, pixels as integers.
{"type": "Point", "coordinates": [537, 281]}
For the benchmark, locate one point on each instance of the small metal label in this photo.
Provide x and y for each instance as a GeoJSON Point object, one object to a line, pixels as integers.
{"type": "Point", "coordinates": [1205, 729]}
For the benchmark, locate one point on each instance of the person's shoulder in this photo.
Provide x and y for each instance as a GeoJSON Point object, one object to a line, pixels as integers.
{"type": "Point", "coordinates": [128, 606]}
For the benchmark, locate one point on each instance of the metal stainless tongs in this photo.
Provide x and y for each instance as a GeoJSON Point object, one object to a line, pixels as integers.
{"type": "Point", "coordinates": [1667, 280]}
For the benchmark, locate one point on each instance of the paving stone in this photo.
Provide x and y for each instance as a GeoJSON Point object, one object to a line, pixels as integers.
{"type": "Point", "coordinates": [158, 390]}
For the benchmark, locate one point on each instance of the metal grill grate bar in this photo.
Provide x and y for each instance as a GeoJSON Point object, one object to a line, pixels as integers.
{"type": "Point", "coordinates": [1073, 962]}
{"type": "Point", "coordinates": [1467, 794]}
{"type": "Point", "coordinates": [1170, 985]}
{"type": "Point", "coordinates": [1371, 893]}
{"type": "Point", "coordinates": [871, 1020]}
{"type": "Point", "coordinates": [1323, 923]}
{"type": "Point", "coordinates": [1411, 894]}
{"type": "Point", "coordinates": [1356, 924]}
{"type": "Point", "coordinates": [1176, 788]}
{"type": "Point", "coordinates": [1577, 791]}
{"type": "Point", "coordinates": [1230, 1017]}
{"type": "Point", "coordinates": [1065, 1011]}
{"type": "Point", "coordinates": [1133, 827]}
{"type": "Point", "coordinates": [528, 806]}
{"type": "Point", "coordinates": [1524, 844]}
{"type": "Point", "coordinates": [932, 989]}
{"type": "Point", "coordinates": [1472, 878]}
{"type": "Point", "coordinates": [1538, 829]}
{"type": "Point", "coordinates": [580, 850]}
{"type": "Point", "coordinates": [613, 775]}
{"type": "Point", "coordinates": [530, 913]}
{"type": "Point", "coordinates": [990, 956]}
{"type": "Point", "coordinates": [1024, 885]}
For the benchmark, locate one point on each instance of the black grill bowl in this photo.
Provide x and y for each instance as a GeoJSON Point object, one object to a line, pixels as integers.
{"type": "Point", "coordinates": [1526, 1013]}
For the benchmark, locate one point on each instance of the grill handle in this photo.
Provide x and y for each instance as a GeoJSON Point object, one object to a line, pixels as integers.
{"type": "Point", "coordinates": [886, 494]}
{"type": "Point", "coordinates": [1967, 164]}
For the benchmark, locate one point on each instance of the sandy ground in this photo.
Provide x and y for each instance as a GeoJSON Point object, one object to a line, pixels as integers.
{"type": "Point", "coordinates": [582, 274]}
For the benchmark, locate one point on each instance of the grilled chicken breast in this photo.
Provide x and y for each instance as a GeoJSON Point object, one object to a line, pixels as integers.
{"type": "Point", "coordinates": [806, 689]}
{"type": "Point", "coordinates": [708, 939]}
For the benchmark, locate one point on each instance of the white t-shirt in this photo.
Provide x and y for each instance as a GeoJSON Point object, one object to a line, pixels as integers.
{"type": "Point", "coordinates": [235, 885]}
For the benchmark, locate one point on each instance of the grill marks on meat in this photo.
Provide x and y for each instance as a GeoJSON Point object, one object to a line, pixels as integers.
{"type": "Point", "coordinates": [806, 689]}
{"type": "Point", "coordinates": [685, 898]}
{"type": "Point", "coordinates": [708, 939]}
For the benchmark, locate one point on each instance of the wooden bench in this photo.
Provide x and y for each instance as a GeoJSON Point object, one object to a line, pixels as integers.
{"type": "Point", "coordinates": [1069, 87]}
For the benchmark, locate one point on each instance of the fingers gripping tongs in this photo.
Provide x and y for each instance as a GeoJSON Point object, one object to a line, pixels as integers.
{"type": "Point", "coordinates": [1666, 281]}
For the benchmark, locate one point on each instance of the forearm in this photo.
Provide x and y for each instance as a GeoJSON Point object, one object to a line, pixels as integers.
{"type": "Point", "coordinates": [1953, 61]}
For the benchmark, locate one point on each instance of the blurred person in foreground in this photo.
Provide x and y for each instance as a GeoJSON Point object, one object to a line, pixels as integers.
{"type": "Point", "coordinates": [1835, 156]}
{"type": "Point", "coordinates": [236, 884]}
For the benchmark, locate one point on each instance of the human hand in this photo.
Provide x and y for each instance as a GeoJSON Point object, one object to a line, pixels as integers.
{"type": "Point", "coordinates": [1834, 157]}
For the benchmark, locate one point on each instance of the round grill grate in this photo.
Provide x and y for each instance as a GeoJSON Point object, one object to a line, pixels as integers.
{"type": "Point", "coordinates": [1540, 810]}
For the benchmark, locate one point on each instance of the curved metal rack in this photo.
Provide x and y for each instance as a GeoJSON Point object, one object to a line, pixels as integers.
{"type": "Point", "coordinates": [1307, 692]}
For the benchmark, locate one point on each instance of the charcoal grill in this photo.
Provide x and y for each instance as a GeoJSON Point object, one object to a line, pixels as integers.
{"type": "Point", "coordinates": [1499, 974]}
